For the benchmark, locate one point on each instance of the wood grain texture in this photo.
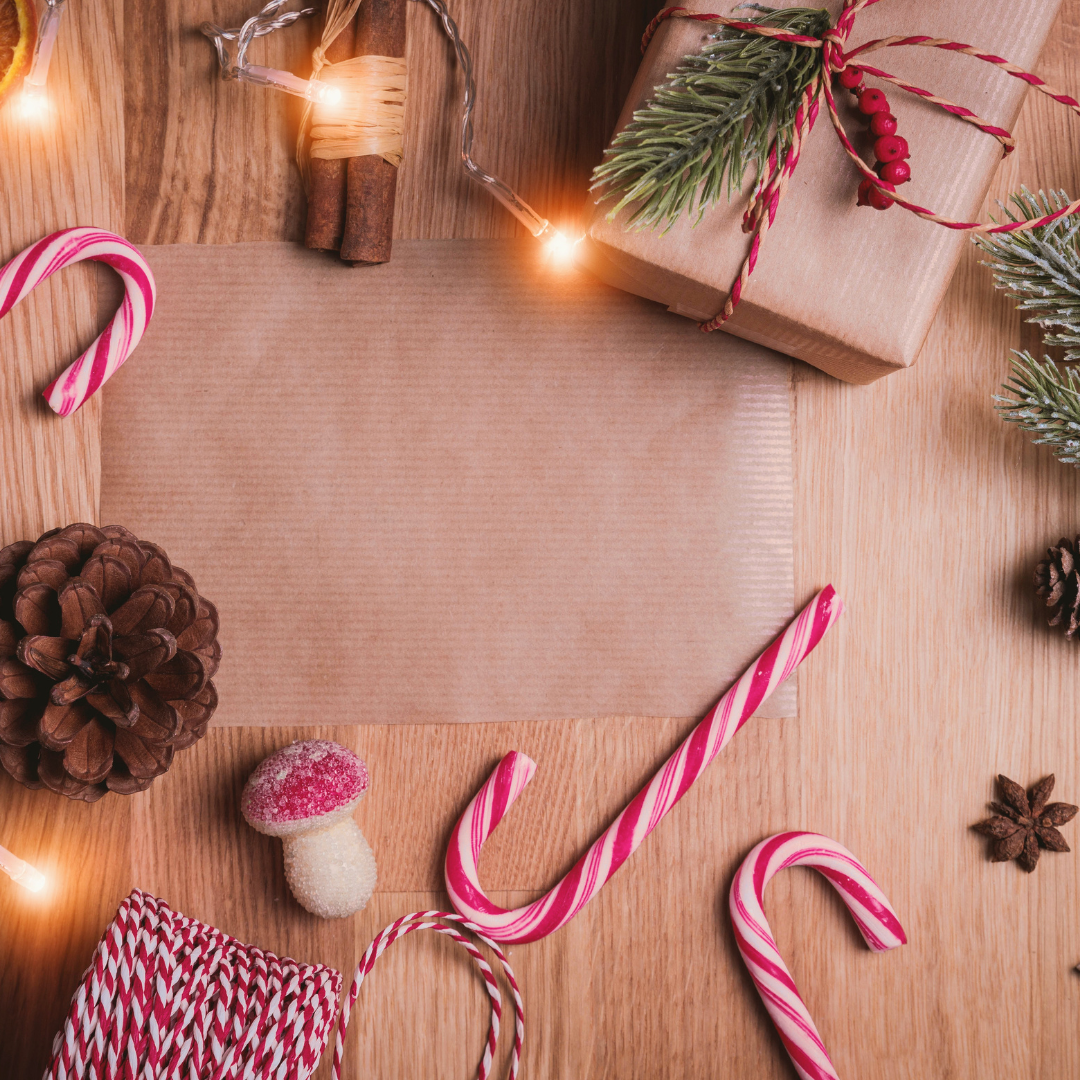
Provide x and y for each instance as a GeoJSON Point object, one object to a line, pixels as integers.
{"type": "Point", "coordinates": [923, 508]}
{"type": "Point", "coordinates": [47, 939]}
{"type": "Point", "coordinates": [65, 170]}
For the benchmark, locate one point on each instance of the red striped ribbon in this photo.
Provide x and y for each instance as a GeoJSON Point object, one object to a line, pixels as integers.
{"type": "Point", "coordinates": [761, 211]}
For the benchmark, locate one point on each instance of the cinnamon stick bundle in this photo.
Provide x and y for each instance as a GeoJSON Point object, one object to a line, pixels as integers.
{"type": "Point", "coordinates": [372, 181]}
{"type": "Point", "coordinates": [328, 176]}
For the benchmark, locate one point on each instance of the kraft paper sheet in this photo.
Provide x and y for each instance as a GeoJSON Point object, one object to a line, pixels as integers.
{"type": "Point", "coordinates": [463, 486]}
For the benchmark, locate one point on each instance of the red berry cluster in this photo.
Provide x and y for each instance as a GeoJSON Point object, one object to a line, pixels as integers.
{"type": "Point", "coordinates": [890, 149]}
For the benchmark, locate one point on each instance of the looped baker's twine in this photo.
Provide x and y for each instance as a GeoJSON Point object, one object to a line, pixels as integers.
{"type": "Point", "coordinates": [370, 119]}
{"type": "Point", "coordinates": [761, 211]}
{"type": "Point", "coordinates": [448, 923]}
{"type": "Point", "coordinates": [167, 996]}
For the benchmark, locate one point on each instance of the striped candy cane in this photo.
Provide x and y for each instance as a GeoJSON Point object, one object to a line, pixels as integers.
{"type": "Point", "coordinates": [640, 817]}
{"type": "Point", "coordinates": [442, 922]}
{"type": "Point", "coordinates": [872, 912]}
{"type": "Point", "coordinates": [118, 340]}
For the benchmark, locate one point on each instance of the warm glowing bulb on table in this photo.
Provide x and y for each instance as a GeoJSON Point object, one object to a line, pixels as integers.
{"type": "Point", "coordinates": [33, 102]}
{"type": "Point", "coordinates": [560, 248]}
{"type": "Point", "coordinates": [310, 89]}
{"type": "Point", "coordinates": [20, 871]}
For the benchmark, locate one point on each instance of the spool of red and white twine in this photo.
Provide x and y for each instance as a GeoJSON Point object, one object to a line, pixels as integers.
{"type": "Point", "coordinates": [166, 996]}
{"type": "Point", "coordinates": [626, 833]}
{"type": "Point", "coordinates": [170, 998]}
{"type": "Point", "coordinates": [869, 907]}
{"type": "Point", "coordinates": [119, 339]}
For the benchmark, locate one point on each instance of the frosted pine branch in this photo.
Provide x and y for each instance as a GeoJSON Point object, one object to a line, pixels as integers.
{"type": "Point", "coordinates": [1040, 269]}
{"type": "Point", "coordinates": [1045, 401]}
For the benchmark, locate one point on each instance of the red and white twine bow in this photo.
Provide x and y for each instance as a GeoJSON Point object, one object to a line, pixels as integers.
{"type": "Point", "coordinates": [761, 211]}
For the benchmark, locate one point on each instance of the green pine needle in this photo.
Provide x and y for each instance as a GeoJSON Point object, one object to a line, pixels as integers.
{"type": "Point", "coordinates": [716, 117]}
{"type": "Point", "coordinates": [1040, 269]}
{"type": "Point", "coordinates": [1046, 402]}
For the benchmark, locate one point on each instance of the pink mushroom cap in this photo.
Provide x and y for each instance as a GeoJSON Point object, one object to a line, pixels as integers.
{"type": "Point", "coordinates": [303, 786]}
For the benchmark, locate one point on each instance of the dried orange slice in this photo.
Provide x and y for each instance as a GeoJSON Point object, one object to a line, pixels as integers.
{"type": "Point", "coordinates": [18, 35]}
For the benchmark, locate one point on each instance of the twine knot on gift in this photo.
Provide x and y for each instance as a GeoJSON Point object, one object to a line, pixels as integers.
{"type": "Point", "coordinates": [369, 120]}
{"type": "Point", "coordinates": [835, 59]}
{"type": "Point", "coordinates": [167, 997]}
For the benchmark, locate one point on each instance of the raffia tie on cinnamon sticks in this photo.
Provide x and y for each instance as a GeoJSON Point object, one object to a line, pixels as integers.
{"type": "Point", "coordinates": [349, 154]}
{"type": "Point", "coordinates": [370, 119]}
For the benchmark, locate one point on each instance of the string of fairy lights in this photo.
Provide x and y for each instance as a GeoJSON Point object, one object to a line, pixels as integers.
{"type": "Point", "coordinates": [231, 47]}
{"type": "Point", "coordinates": [271, 18]}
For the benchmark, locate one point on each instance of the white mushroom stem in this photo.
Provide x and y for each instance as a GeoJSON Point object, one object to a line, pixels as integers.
{"type": "Point", "coordinates": [330, 870]}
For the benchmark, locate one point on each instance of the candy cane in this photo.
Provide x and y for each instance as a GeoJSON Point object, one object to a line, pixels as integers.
{"type": "Point", "coordinates": [118, 340]}
{"type": "Point", "coordinates": [872, 912]}
{"type": "Point", "coordinates": [641, 816]}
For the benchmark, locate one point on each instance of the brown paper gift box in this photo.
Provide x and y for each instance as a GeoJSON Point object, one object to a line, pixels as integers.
{"type": "Point", "coordinates": [848, 289]}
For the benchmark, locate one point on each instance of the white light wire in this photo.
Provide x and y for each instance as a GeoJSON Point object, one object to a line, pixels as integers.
{"type": "Point", "coordinates": [268, 20]}
{"type": "Point", "coordinates": [265, 22]}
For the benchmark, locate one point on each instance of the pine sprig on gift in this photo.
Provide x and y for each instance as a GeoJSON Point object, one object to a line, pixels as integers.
{"type": "Point", "coordinates": [1041, 270]}
{"type": "Point", "coordinates": [716, 117]}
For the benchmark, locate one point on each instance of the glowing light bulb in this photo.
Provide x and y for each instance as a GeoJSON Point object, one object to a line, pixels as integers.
{"type": "Point", "coordinates": [33, 102]}
{"type": "Point", "coordinates": [311, 89]}
{"type": "Point", "coordinates": [21, 871]}
{"type": "Point", "coordinates": [561, 249]}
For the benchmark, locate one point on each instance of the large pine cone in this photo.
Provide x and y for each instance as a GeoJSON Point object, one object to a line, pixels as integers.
{"type": "Point", "coordinates": [106, 655]}
{"type": "Point", "coordinates": [1057, 579]}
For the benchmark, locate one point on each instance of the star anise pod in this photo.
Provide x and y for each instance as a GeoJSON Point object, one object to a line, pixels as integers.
{"type": "Point", "coordinates": [1024, 823]}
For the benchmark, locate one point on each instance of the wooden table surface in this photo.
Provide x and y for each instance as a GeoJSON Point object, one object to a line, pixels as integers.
{"type": "Point", "coordinates": [924, 509]}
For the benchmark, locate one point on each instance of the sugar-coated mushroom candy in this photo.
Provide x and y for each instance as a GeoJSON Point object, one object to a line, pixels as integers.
{"type": "Point", "coordinates": [306, 794]}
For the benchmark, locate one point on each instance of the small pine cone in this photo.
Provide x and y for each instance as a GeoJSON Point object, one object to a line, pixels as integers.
{"type": "Point", "coordinates": [106, 656]}
{"type": "Point", "coordinates": [1057, 581]}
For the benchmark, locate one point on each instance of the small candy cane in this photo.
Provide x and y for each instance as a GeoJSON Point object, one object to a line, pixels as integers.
{"type": "Point", "coordinates": [625, 834]}
{"type": "Point", "coordinates": [872, 912]}
{"type": "Point", "coordinates": [119, 339]}
{"type": "Point", "coordinates": [435, 920]}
